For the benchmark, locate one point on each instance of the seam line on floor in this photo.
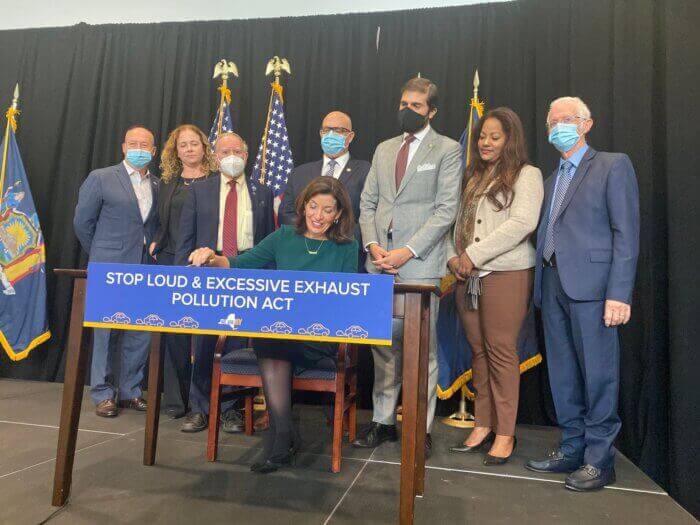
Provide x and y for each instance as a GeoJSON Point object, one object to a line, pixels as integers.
{"type": "Point", "coordinates": [76, 452]}
{"type": "Point", "coordinates": [347, 491]}
{"type": "Point", "coordinates": [56, 427]}
{"type": "Point", "coordinates": [515, 476]}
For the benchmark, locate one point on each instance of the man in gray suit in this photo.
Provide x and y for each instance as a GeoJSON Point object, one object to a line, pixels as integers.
{"type": "Point", "coordinates": [408, 205]}
{"type": "Point", "coordinates": [115, 220]}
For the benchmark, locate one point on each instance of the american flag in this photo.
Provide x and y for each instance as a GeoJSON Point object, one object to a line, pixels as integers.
{"type": "Point", "coordinates": [226, 124]}
{"type": "Point", "coordinates": [274, 162]}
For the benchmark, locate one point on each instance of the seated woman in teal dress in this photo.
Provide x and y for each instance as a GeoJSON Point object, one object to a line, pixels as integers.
{"type": "Point", "coordinates": [322, 241]}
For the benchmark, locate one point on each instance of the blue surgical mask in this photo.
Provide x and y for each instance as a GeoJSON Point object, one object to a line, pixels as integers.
{"type": "Point", "coordinates": [138, 158]}
{"type": "Point", "coordinates": [564, 136]}
{"type": "Point", "coordinates": [332, 143]}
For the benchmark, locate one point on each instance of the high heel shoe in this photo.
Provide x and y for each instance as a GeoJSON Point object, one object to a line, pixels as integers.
{"type": "Point", "coordinates": [491, 461]}
{"type": "Point", "coordinates": [461, 448]}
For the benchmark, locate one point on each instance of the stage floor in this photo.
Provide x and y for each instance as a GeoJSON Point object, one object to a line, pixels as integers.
{"type": "Point", "coordinates": [110, 485]}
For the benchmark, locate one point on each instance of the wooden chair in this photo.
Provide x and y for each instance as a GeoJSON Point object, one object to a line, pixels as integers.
{"type": "Point", "coordinates": [240, 368]}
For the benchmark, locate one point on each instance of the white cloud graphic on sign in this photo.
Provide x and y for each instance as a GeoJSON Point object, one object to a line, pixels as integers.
{"type": "Point", "coordinates": [278, 327]}
{"type": "Point", "coordinates": [185, 322]}
{"type": "Point", "coordinates": [315, 329]}
{"type": "Point", "coordinates": [151, 320]}
{"type": "Point", "coordinates": [354, 332]}
{"type": "Point", "coordinates": [118, 318]}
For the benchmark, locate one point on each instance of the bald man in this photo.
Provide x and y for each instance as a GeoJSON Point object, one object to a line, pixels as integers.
{"type": "Point", "coordinates": [336, 135]}
{"type": "Point", "coordinates": [115, 220]}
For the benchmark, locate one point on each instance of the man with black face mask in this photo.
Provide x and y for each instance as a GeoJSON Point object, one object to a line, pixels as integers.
{"type": "Point", "coordinates": [407, 207]}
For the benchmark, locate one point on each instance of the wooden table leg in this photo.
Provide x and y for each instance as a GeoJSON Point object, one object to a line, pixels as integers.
{"type": "Point", "coordinates": [73, 385]}
{"type": "Point", "coordinates": [422, 414]}
{"type": "Point", "coordinates": [409, 426]}
{"type": "Point", "coordinates": [155, 386]}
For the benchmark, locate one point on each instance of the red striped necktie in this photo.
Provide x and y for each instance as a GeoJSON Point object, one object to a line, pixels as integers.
{"type": "Point", "coordinates": [230, 232]}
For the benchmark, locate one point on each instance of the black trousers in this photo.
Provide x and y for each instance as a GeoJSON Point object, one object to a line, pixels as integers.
{"type": "Point", "coordinates": [177, 367]}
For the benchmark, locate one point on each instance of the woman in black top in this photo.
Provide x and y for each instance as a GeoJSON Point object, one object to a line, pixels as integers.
{"type": "Point", "coordinates": [186, 159]}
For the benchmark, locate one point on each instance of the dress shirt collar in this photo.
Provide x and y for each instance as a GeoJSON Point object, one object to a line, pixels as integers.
{"type": "Point", "coordinates": [130, 171]}
{"type": "Point", "coordinates": [340, 162]}
{"type": "Point", "coordinates": [420, 135]}
{"type": "Point", "coordinates": [576, 158]}
{"type": "Point", "coordinates": [240, 180]}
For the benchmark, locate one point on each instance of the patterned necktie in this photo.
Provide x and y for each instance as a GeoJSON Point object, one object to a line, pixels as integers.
{"type": "Point", "coordinates": [402, 160]}
{"type": "Point", "coordinates": [330, 168]}
{"type": "Point", "coordinates": [565, 176]}
{"type": "Point", "coordinates": [230, 232]}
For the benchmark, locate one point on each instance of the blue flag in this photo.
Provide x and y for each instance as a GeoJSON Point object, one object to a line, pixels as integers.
{"type": "Point", "coordinates": [23, 324]}
{"type": "Point", "coordinates": [454, 352]}
{"type": "Point", "coordinates": [274, 162]}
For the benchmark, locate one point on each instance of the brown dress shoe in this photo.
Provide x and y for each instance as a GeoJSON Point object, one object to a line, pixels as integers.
{"type": "Point", "coordinates": [138, 403]}
{"type": "Point", "coordinates": [106, 408]}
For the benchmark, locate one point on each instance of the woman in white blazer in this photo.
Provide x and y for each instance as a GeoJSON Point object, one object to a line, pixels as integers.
{"type": "Point", "coordinates": [493, 259]}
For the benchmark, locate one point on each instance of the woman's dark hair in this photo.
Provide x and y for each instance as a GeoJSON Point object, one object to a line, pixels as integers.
{"type": "Point", "coordinates": [341, 231]}
{"type": "Point", "coordinates": [513, 158]}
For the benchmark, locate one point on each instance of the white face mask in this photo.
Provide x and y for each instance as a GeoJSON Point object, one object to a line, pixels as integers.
{"type": "Point", "coordinates": [232, 166]}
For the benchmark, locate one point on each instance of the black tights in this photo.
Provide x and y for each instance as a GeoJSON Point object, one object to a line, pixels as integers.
{"type": "Point", "coordinates": [277, 385]}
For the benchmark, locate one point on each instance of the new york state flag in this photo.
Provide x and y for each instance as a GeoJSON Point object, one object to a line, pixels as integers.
{"type": "Point", "coordinates": [23, 323]}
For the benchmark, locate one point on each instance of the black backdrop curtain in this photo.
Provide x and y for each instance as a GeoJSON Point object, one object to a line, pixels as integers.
{"type": "Point", "coordinates": [634, 62]}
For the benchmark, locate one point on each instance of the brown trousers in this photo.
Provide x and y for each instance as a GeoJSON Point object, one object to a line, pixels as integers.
{"type": "Point", "coordinates": [492, 332]}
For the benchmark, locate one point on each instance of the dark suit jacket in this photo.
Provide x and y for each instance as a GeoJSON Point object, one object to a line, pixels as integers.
{"type": "Point", "coordinates": [199, 222]}
{"type": "Point", "coordinates": [107, 218]}
{"type": "Point", "coordinates": [597, 230]}
{"type": "Point", "coordinates": [165, 197]}
{"type": "Point", "coordinates": [353, 178]}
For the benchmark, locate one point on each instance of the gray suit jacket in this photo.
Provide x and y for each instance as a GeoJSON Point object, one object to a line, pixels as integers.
{"type": "Point", "coordinates": [422, 209]}
{"type": "Point", "coordinates": [107, 219]}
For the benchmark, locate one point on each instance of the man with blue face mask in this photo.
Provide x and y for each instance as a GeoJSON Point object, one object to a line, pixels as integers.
{"type": "Point", "coordinates": [336, 135]}
{"type": "Point", "coordinates": [587, 248]}
{"type": "Point", "coordinates": [115, 220]}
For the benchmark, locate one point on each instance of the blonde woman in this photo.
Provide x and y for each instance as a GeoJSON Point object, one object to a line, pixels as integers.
{"type": "Point", "coordinates": [187, 159]}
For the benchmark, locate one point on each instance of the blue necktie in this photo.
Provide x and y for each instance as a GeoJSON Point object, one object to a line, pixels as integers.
{"type": "Point", "coordinates": [332, 163]}
{"type": "Point", "coordinates": [565, 177]}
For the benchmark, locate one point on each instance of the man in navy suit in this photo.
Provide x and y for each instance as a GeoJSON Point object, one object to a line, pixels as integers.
{"type": "Point", "coordinates": [115, 220]}
{"type": "Point", "coordinates": [336, 135]}
{"type": "Point", "coordinates": [228, 214]}
{"type": "Point", "coordinates": [587, 248]}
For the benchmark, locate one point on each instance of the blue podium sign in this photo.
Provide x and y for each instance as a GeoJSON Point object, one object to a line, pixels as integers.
{"type": "Point", "coordinates": [275, 304]}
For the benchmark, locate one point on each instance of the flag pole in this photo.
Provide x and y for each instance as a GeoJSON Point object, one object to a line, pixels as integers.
{"type": "Point", "coordinates": [275, 66]}
{"type": "Point", "coordinates": [474, 102]}
{"type": "Point", "coordinates": [462, 418]}
{"type": "Point", "coordinates": [11, 122]}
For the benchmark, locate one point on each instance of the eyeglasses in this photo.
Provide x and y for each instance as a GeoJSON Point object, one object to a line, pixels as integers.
{"type": "Point", "coordinates": [565, 120]}
{"type": "Point", "coordinates": [341, 131]}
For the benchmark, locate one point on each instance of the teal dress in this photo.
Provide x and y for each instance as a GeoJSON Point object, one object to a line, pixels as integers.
{"type": "Point", "coordinates": [288, 250]}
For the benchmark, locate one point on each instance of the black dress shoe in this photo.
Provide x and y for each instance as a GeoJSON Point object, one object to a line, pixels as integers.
{"type": "Point", "coordinates": [195, 422]}
{"type": "Point", "coordinates": [589, 478]}
{"type": "Point", "coordinates": [376, 435]}
{"type": "Point", "coordinates": [232, 422]}
{"type": "Point", "coordinates": [491, 461]}
{"type": "Point", "coordinates": [137, 403]}
{"type": "Point", "coordinates": [175, 412]}
{"type": "Point", "coordinates": [274, 463]}
{"type": "Point", "coordinates": [461, 448]}
{"type": "Point", "coordinates": [556, 461]}
{"type": "Point", "coordinates": [106, 408]}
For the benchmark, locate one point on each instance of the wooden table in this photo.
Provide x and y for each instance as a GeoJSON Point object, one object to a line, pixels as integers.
{"type": "Point", "coordinates": [411, 303]}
